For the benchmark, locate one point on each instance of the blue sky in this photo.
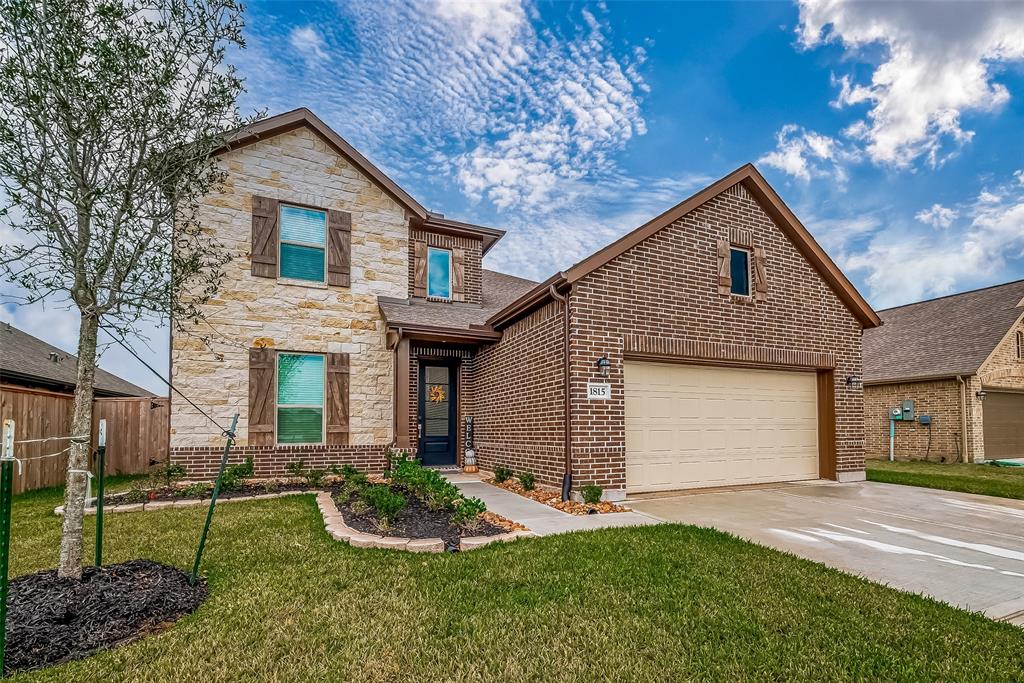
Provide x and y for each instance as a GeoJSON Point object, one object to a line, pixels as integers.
{"type": "Point", "coordinates": [894, 131]}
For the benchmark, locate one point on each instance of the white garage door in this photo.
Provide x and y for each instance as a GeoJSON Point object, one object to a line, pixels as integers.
{"type": "Point", "coordinates": [691, 426]}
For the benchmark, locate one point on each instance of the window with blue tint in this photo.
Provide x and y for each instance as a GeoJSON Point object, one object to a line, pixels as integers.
{"type": "Point", "coordinates": [439, 273]}
{"type": "Point", "coordinates": [300, 398]}
{"type": "Point", "coordinates": [740, 271]}
{"type": "Point", "coordinates": [303, 243]}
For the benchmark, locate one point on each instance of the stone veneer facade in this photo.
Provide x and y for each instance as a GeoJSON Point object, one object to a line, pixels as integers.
{"type": "Point", "coordinates": [296, 166]}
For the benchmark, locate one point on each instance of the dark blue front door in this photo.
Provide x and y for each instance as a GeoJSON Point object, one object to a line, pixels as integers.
{"type": "Point", "coordinates": [437, 413]}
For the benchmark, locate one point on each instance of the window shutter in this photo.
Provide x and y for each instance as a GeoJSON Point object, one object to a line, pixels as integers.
{"type": "Point", "coordinates": [724, 268]}
{"type": "Point", "coordinates": [261, 397]}
{"type": "Point", "coordinates": [419, 268]}
{"type": "Point", "coordinates": [339, 248]}
{"type": "Point", "coordinates": [760, 278]}
{"type": "Point", "coordinates": [264, 237]}
{"type": "Point", "coordinates": [458, 274]}
{"type": "Point", "coordinates": [337, 398]}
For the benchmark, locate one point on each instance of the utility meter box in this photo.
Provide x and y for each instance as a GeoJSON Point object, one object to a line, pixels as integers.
{"type": "Point", "coordinates": [925, 419]}
{"type": "Point", "coordinates": [896, 413]}
{"type": "Point", "coordinates": [908, 409]}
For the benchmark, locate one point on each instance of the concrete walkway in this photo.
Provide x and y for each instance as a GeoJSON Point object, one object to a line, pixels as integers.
{"type": "Point", "coordinates": [541, 519]}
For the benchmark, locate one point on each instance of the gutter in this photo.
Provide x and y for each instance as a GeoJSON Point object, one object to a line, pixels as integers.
{"type": "Point", "coordinates": [567, 474]}
{"type": "Point", "coordinates": [963, 416]}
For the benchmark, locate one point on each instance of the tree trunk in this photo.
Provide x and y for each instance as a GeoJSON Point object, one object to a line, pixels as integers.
{"type": "Point", "coordinates": [78, 462]}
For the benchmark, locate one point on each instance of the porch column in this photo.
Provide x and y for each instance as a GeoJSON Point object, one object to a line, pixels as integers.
{"type": "Point", "coordinates": [403, 439]}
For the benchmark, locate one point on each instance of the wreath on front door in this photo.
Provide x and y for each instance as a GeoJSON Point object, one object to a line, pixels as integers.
{"type": "Point", "coordinates": [437, 394]}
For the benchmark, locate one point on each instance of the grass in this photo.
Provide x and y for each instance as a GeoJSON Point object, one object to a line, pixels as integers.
{"type": "Point", "coordinates": [988, 480]}
{"type": "Point", "coordinates": [657, 603]}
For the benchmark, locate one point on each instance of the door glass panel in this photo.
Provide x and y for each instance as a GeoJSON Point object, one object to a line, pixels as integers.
{"type": "Point", "coordinates": [436, 401]}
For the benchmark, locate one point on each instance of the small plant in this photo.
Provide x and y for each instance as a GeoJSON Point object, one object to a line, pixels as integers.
{"type": "Point", "coordinates": [467, 514]}
{"type": "Point", "coordinates": [386, 502]}
{"type": "Point", "coordinates": [315, 477]}
{"type": "Point", "coordinates": [359, 507]}
{"type": "Point", "coordinates": [502, 474]}
{"type": "Point", "coordinates": [270, 486]}
{"type": "Point", "coordinates": [135, 495]}
{"type": "Point", "coordinates": [235, 476]}
{"type": "Point", "coordinates": [165, 475]}
{"type": "Point", "coordinates": [526, 479]}
{"type": "Point", "coordinates": [591, 494]}
{"type": "Point", "coordinates": [196, 490]}
{"type": "Point", "coordinates": [296, 468]}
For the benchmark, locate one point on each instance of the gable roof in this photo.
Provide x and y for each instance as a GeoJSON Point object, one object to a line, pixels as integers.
{"type": "Point", "coordinates": [944, 337]}
{"type": "Point", "coordinates": [282, 123]}
{"type": "Point", "coordinates": [24, 358]}
{"type": "Point", "coordinates": [769, 200]}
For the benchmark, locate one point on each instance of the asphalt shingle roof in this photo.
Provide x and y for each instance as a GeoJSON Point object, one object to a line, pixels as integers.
{"type": "Point", "coordinates": [24, 356]}
{"type": "Point", "coordinates": [498, 291]}
{"type": "Point", "coordinates": [952, 335]}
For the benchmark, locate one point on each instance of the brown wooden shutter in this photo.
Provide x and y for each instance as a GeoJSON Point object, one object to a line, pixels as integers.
{"type": "Point", "coordinates": [724, 268]}
{"type": "Point", "coordinates": [760, 278]}
{"type": "Point", "coordinates": [458, 274]}
{"type": "Point", "coordinates": [264, 237]}
{"type": "Point", "coordinates": [261, 397]}
{"type": "Point", "coordinates": [419, 268]}
{"type": "Point", "coordinates": [337, 398]}
{"type": "Point", "coordinates": [339, 248]}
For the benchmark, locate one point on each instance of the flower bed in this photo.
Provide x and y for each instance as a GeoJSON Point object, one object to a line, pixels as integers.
{"type": "Point", "coordinates": [554, 499]}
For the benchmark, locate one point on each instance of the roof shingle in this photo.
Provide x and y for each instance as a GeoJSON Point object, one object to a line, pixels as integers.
{"type": "Point", "coordinates": [951, 335]}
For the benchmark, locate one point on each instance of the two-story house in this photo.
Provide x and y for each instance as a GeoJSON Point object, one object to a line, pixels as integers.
{"type": "Point", "coordinates": [717, 344]}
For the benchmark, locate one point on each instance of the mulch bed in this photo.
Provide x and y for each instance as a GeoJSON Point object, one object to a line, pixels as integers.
{"type": "Point", "coordinates": [254, 488]}
{"type": "Point", "coordinates": [419, 521]}
{"type": "Point", "coordinates": [52, 620]}
{"type": "Point", "coordinates": [554, 499]}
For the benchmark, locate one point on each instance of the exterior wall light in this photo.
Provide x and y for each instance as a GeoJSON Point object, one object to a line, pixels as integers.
{"type": "Point", "coordinates": [853, 381]}
{"type": "Point", "coordinates": [603, 364]}
{"type": "Point", "coordinates": [981, 395]}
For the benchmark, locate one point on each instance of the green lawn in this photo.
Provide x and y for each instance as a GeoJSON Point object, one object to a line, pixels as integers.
{"type": "Point", "coordinates": [648, 604]}
{"type": "Point", "coordinates": [1005, 482]}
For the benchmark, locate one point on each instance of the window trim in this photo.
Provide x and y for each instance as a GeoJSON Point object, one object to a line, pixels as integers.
{"type": "Point", "coordinates": [451, 274]}
{"type": "Point", "coordinates": [322, 406]}
{"type": "Point", "coordinates": [281, 240]}
{"type": "Point", "coordinates": [750, 280]}
{"type": "Point", "coordinates": [1020, 345]}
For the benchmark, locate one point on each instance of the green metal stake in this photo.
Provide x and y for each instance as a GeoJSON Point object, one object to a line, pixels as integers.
{"type": "Point", "coordinates": [100, 470]}
{"type": "Point", "coordinates": [6, 481]}
{"type": "Point", "coordinates": [230, 434]}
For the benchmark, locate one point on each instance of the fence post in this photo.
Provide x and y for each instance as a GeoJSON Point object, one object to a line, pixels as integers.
{"type": "Point", "coordinates": [100, 471]}
{"type": "Point", "coordinates": [6, 481]}
{"type": "Point", "coordinates": [230, 434]}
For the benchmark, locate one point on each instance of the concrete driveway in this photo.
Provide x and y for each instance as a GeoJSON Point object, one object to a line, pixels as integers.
{"type": "Point", "coordinates": [963, 549]}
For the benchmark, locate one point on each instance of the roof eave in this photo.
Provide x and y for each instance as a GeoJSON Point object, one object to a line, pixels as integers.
{"type": "Point", "coordinates": [527, 302]}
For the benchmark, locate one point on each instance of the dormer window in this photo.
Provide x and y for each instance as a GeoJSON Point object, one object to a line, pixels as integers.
{"type": "Point", "coordinates": [439, 273]}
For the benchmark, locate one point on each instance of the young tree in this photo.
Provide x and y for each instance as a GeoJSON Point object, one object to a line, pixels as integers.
{"type": "Point", "coordinates": [109, 111]}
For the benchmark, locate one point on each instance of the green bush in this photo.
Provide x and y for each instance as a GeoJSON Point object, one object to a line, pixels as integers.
{"type": "Point", "coordinates": [502, 474]}
{"type": "Point", "coordinates": [527, 480]}
{"type": "Point", "coordinates": [436, 492]}
{"type": "Point", "coordinates": [196, 490]}
{"type": "Point", "coordinates": [385, 502]}
{"type": "Point", "coordinates": [591, 493]}
{"type": "Point", "coordinates": [315, 477]}
{"type": "Point", "coordinates": [235, 475]}
{"type": "Point", "coordinates": [467, 513]}
{"type": "Point", "coordinates": [134, 495]}
{"type": "Point", "coordinates": [296, 468]}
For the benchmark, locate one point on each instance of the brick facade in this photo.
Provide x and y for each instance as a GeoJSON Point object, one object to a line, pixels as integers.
{"type": "Point", "coordinates": [939, 399]}
{"type": "Point", "coordinates": [473, 248]}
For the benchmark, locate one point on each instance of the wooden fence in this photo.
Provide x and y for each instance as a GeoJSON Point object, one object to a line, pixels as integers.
{"type": "Point", "coordinates": [137, 433]}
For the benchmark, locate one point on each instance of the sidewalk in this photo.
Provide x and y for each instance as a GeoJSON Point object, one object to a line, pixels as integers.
{"type": "Point", "coordinates": [541, 519]}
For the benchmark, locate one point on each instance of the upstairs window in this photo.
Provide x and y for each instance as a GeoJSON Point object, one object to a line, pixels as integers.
{"type": "Point", "coordinates": [439, 273]}
{"type": "Point", "coordinates": [739, 270]}
{"type": "Point", "coordinates": [300, 398]}
{"type": "Point", "coordinates": [303, 244]}
{"type": "Point", "coordinates": [1020, 345]}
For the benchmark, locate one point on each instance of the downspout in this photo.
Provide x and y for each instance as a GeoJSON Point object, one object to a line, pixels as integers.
{"type": "Point", "coordinates": [963, 417]}
{"type": "Point", "coordinates": [567, 476]}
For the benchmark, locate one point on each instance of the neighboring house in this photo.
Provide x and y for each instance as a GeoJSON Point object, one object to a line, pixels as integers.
{"type": "Point", "coordinates": [717, 344]}
{"type": "Point", "coordinates": [28, 361]}
{"type": "Point", "coordinates": [960, 359]}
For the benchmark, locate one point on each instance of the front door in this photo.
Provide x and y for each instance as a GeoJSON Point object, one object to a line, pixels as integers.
{"type": "Point", "coordinates": [438, 421]}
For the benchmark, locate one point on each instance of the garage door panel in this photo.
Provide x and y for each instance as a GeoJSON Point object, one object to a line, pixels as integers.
{"type": "Point", "coordinates": [1003, 425]}
{"type": "Point", "coordinates": [697, 426]}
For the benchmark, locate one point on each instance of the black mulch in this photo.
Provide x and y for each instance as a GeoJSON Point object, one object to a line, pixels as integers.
{"type": "Point", "coordinates": [162, 494]}
{"type": "Point", "coordinates": [52, 620]}
{"type": "Point", "coordinates": [416, 521]}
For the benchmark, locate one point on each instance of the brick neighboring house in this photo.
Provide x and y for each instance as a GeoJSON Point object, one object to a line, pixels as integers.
{"type": "Point", "coordinates": [716, 344]}
{"type": "Point", "coordinates": [960, 358]}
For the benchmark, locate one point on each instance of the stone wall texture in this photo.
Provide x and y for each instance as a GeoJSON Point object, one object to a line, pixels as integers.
{"type": "Point", "coordinates": [299, 167]}
{"type": "Point", "coordinates": [1004, 368]}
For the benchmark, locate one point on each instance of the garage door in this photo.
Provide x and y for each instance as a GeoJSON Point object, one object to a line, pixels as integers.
{"type": "Point", "coordinates": [691, 426]}
{"type": "Point", "coordinates": [1004, 425]}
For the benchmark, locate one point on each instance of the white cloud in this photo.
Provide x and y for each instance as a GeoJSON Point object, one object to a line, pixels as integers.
{"type": "Point", "coordinates": [937, 216]}
{"type": "Point", "coordinates": [498, 20]}
{"type": "Point", "coordinates": [309, 43]}
{"type": "Point", "coordinates": [915, 265]}
{"type": "Point", "coordinates": [804, 154]}
{"type": "Point", "coordinates": [939, 62]}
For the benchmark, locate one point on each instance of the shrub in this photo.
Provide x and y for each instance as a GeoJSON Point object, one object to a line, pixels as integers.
{"type": "Point", "coordinates": [386, 502]}
{"type": "Point", "coordinates": [135, 495]}
{"type": "Point", "coordinates": [354, 481]}
{"type": "Point", "coordinates": [235, 475]}
{"type": "Point", "coordinates": [359, 507]}
{"type": "Point", "coordinates": [526, 479]}
{"type": "Point", "coordinates": [436, 492]}
{"type": "Point", "coordinates": [296, 468]}
{"type": "Point", "coordinates": [591, 493]}
{"type": "Point", "coordinates": [467, 513]}
{"type": "Point", "coordinates": [196, 490]}
{"type": "Point", "coordinates": [315, 477]}
{"type": "Point", "coordinates": [502, 474]}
